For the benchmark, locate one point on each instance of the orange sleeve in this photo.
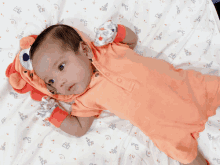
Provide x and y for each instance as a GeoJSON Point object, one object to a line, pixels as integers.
{"type": "Point", "coordinates": [120, 34]}
{"type": "Point", "coordinates": [78, 109]}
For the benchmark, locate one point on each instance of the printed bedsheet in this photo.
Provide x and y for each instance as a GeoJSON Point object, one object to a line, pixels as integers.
{"type": "Point", "coordinates": [182, 32]}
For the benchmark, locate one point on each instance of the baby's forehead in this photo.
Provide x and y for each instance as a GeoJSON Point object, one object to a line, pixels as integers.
{"type": "Point", "coordinates": [47, 55]}
{"type": "Point", "coordinates": [50, 50]}
{"type": "Point", "coordinates": [50, 42]}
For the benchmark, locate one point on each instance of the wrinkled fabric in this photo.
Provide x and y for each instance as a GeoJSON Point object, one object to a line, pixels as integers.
{"type": "Point", "coordinates": [186, 32]}
{"type": "Point", "coordinates": [169, 105]}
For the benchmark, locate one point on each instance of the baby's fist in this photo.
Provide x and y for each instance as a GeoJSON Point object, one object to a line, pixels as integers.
{"type": "Point", "coordinates": [46, 108]}
{"type": "Point", "coordinates": [106, 33]}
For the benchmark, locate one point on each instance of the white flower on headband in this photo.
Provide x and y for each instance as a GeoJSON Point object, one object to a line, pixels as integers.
{"type": "Point", "coordinates": [25, 59]}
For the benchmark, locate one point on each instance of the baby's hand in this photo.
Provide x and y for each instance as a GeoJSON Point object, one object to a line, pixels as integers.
{"type": "Point", "coordinates": [47, 106]}
{"type": "Point", "coordinates": [106, 33]}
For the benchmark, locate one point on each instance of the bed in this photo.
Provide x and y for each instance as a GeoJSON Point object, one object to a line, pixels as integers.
{"type": "Point", "coordinates": [183, 33]}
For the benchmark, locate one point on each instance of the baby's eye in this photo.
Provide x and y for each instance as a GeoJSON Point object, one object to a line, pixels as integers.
{"type": "Point", "coordinates": [61, 67]}
{"type": "Point", "coordinates": [51, 81]}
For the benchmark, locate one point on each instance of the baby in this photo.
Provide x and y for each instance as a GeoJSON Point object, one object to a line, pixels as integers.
{"type": "Point", "coordinates": [64, 61]}
{"type": "Point", "coordinates": [170, 106]}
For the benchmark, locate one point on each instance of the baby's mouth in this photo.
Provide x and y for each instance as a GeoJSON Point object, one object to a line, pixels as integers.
{"type": "Point", "coordinates": [71, 87]}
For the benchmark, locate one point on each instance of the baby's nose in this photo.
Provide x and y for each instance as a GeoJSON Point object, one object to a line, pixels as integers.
{"type": "Point", "coordinates": [62, 82]}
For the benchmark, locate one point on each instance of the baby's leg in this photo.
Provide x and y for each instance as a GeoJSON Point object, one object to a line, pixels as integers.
{"type": "Point", "coordinates": [199, 160]}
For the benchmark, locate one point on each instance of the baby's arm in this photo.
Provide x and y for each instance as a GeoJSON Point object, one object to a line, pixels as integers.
{"type": "Point", "coordinates": [130, 38]}
{"type": "Point", "coordinates": [76, 126]}
{"type": "Point", "coordinates": [55, 113]}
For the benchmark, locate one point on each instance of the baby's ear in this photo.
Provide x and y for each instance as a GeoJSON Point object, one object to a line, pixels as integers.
{"type": "Point", "coordinates": [26, 42]}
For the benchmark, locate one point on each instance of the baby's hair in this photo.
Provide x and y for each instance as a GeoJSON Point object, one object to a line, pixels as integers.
{"type": "Point", "coordinates": [69, 38]}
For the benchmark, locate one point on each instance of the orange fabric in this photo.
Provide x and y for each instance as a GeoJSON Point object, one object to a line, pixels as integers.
{"type": "Point", "coordinates": [170, 106]}
{"type": "Point", "coordinates": [57, 117]}
{"type": "Point", "coordinates": [21, 82]}
{"type": "Point", "coordinates": [121, 33]}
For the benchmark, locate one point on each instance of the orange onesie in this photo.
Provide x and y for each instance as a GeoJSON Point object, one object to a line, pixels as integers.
{"type": "Point", "coordinates": [170, 106]}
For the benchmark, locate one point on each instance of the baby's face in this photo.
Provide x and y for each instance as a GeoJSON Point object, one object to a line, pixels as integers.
{"type": "Point", "coordinates": [64, 73]}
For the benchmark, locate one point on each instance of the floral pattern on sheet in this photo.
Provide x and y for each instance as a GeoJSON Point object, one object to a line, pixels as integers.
{"type": "Point", "coordinates": [184, 33]}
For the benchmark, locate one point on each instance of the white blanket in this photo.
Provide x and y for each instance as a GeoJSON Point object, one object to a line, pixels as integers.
{"type": "Point", "coordinates": [182, 32]}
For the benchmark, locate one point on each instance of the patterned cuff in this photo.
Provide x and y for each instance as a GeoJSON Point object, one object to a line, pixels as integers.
{"type": "Point", "coordinates": [121, 33]}
{"type": "Point", "coordinates": [57, 117]}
